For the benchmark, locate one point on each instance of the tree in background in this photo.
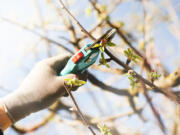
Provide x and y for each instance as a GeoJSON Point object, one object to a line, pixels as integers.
{"type": "Point", "coordinates": [132, 89]}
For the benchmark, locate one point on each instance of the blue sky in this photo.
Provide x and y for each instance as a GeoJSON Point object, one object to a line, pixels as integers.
{"type": "Point", "coordinates": [17, 59]}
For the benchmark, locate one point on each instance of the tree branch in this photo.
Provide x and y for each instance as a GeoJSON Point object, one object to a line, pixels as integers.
{"type": "Point", "coordinates": [157, 115]}
{"type": "Point", "coordinates": [77, 22]}
{"type": "Point", "coordinates": [78, 109]}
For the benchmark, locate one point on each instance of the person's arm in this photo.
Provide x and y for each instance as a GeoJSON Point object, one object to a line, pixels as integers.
{"type": "Point", "coordinates": [5, 121]}
{"type": "Point", "coordinates": [1, 133]}
{"type": "Point", "coordinates": [39, 90]}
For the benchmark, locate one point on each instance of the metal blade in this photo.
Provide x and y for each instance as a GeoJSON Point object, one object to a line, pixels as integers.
{"type": "Point", "coordinates": [108, 36]}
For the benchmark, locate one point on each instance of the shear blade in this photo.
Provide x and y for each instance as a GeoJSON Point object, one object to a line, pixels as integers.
{"type": "Point", "coordinates": [108, 36]}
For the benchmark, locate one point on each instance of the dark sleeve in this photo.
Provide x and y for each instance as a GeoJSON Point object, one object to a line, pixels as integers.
{"type": "Point", "coordinates": [1, 133]}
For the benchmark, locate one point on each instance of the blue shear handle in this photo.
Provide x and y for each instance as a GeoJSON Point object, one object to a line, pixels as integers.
{"type": "Point", "coordinates": [80, 66]}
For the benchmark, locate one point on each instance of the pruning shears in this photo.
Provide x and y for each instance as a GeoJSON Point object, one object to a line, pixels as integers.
{"type": "Point", "coordinates": [86, 56]}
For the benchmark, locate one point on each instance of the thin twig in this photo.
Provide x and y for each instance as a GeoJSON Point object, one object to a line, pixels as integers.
{"type": "Point", "coordinates": [78, 109]}
{"type": "Point", "coordinates": [155, 112]}
{"type": "Point", "coordinates": [77, 22]}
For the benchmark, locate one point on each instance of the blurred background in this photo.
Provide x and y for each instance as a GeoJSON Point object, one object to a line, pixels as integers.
{"type": "Point", "coordinates": [37, 29]}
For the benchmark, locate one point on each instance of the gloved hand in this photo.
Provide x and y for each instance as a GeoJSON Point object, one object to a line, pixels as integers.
{"type": "Point", "coordinates": [40, 88]}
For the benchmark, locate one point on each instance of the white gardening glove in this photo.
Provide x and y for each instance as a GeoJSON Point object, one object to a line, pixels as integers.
{"type": "Point", "coordinates": [40, 88]}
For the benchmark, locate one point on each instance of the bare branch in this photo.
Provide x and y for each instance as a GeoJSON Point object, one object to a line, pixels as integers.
{"type": "Point", "coordinates": [157, 115]}
{"type": "Point", "coordinates": [77, 22]}
{"type": "Point", "coordinates": [78, 109]}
